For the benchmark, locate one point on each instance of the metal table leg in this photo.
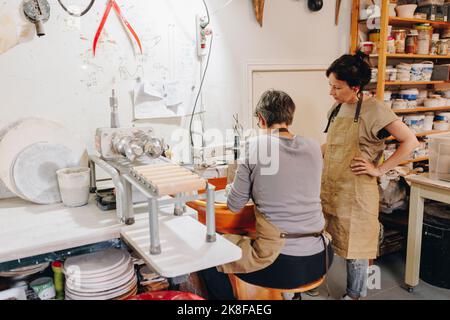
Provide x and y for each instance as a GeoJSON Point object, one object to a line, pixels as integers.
{"type": "Point", "coordinates": [178, 211]}
{"type": "Point", "coordinates": [127, 203]}
{"type": "Point", "coordinates": [155, 246]}
{"type": "Point", "coordinates": [210, 214]}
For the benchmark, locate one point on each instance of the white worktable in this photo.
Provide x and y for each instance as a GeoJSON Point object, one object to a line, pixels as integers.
{"type": "Point", "coordinates": [28, 229]}
{"type": "Point", "coordinates": [422, 188]}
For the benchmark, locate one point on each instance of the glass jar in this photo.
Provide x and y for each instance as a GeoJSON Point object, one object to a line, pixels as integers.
{"type": "Point", "coordinates": [391, 45]}
{"type": "Point", "coordinates": [442, 47]}
{"type": "Point", "coordinates": [411, 43]}
{"type": "Point", "coordinates": [400, 40]}
{"type": "Point", "coordinates": [424, 39]}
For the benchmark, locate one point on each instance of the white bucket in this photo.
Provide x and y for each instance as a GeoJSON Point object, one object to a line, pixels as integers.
{"type": "Point", "coordinates": [74, 186]}
{"type": "Point", "coordinates": [429, 119]}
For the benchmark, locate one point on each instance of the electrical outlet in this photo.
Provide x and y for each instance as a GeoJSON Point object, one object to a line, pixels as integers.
{"type": "Point", "coordinates": [202, 35]}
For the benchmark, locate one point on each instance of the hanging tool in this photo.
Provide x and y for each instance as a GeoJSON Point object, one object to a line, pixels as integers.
{"type": "Point", "coordinates": [259, 10]}
{"type": "Point", "coordinates": [338, 9]}
{"type": "Point", "coordinates": [113, 4]}
{"type": "Point", "coordinates": [78, 15]}
{"type": "Point", "coordinates": [37, 12]}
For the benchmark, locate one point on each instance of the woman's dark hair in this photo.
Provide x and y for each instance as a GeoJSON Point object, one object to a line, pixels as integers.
{"type": "Point", "coordinates": [276, 107]}
{"type": "Point", "coordinates": [353, 69]}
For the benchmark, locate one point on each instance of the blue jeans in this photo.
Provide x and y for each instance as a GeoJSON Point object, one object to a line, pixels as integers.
{"type": "Point", "coordinates": [357, 277]}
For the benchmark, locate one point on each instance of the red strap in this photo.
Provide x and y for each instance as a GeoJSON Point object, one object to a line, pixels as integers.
{"type": "Point", "coordinates": [113, 4]}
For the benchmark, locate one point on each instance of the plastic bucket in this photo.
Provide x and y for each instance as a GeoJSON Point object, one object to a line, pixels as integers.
{"type": "Point", "coordinates": [74, 186]}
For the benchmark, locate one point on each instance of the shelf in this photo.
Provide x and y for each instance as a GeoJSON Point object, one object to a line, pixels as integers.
{"type": "Point", "coordinates": [416, 56]}
{"type": "Point", "coordinates": [423, 134]}
{"type": "Point", "coordinates": [422, 109]}
{"type": "Point", "coordinates": [414, 160]}
{"type": "Point", "coordinates": [405, 83]}
{"type": "Point", "coordinates": [407, 22]}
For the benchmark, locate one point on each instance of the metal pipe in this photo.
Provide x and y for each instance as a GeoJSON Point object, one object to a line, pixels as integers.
{"type": "Point", "coordinates": [120, 188]}
{"type": "Point", "coordinates": [155, 246]}
{"type": "Point", "coordinates": [92, 177]}
{"type": "Point", "coordinates": [127, 203]}
{"type": "Point", "coordinates": [210, 214]}
{"type": "Point", "coordinates": [178, 210]}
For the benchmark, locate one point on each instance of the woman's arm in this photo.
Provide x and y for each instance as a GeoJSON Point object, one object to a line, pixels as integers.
{"type": "Point", "coordinates": [408, 142]}
{"type": "Point", "coordinates": [240, 189]}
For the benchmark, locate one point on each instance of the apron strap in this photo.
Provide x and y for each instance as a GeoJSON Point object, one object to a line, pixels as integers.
{"type": "Point", "coordinates": [300, 235]}
{"type": "Point", "coordinates": [333, 115]}
{"type": "Point", "coordinates": [336, 110]}
{"type": "Point", "coordinates": [358, 108]}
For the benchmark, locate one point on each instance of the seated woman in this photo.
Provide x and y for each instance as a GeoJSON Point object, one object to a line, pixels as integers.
{"type": "Point", "coordinates": [282, 175]}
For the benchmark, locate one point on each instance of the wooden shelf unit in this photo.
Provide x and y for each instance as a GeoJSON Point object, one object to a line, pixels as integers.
{"type": "Point", "coordinates": [423, 134]}
{"type": "Point", "coordinates": [407, 22]}
{"type": "Point", "coordinates": [416, 56]}
{"type": "Point", "coordinates": [382, 58]}
{"type": "Point", "coordinates": [414, 83]}
{"type": "Point", "coordinates": [421, 109]}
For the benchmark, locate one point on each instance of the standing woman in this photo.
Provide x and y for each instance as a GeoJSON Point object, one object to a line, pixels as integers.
{"type": "Point", "coordinates": [357, 127]}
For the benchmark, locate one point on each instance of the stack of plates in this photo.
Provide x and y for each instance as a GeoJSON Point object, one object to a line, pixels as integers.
{"type": "Point", "coordinates": [24, 272]}
{"type": "Point", "coordinates": [103, 275]}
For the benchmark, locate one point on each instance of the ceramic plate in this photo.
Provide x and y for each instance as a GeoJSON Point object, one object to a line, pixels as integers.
{"type": "Point", "coordinates": [97, 263]}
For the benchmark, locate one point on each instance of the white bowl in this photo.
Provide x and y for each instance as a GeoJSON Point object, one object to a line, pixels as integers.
{"type": "Point", "coordinates": [392, 9]}
{"type": "Point", "coordinates": [406, 10]}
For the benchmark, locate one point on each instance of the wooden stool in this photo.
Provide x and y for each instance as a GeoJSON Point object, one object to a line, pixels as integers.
{"type": "Point", "coordinates": [246, 291]}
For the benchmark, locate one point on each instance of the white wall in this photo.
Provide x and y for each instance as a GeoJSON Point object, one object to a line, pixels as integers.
{"type": "Point", "coordinates": [35, 79]}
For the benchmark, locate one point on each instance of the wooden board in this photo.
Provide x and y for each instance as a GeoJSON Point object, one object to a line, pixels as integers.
{"type": "Point", "coordinates": [423, 179]}
{"type": "Point", "coordinates": [183, 246]}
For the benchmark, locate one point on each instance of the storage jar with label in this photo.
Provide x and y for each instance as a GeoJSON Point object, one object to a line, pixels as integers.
{"type": "Point", "coordinates": [424, 39]}
{"type": "Point", "coordinates": [443, 47]}
{"type": "Point", "coordinates": [390, 45]}
{"type": "Point", "coordinates": [411, 42]}
{"type": "Point", "coordinates": [400, 40]}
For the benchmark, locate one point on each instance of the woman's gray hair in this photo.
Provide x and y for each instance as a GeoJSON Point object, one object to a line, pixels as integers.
{"type": "Point", "coordinates": [276, 107]}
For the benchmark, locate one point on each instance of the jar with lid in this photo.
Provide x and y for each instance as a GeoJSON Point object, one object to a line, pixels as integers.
{"type": "Point", "coordinates": [424, 39]}
{"type": "Point", "coordinates": [411, 42]}
{"type": "Point", "coordinates": [443, 47]}
{"type": "Point", "coordinates": [390, 45]}
{"type": "Point", "coordinates": [434, 43]}
{"type": "Point", "coordinates": [400, 40]}
{"type": "Point", "coordinates": [374, 36]}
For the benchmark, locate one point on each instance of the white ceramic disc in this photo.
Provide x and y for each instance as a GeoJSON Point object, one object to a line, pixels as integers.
{"type": "Point", "coordinates": [26, 132]}
{"type": "Point", "coordinates": [34, 171]}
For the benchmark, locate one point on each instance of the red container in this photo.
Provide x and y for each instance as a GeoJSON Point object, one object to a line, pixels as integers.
{"type": "Point", "coordinates": [166, 295]}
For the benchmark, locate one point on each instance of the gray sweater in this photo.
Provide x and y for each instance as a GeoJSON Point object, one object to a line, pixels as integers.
{"type": "Point", "coordinates": [282, 176]}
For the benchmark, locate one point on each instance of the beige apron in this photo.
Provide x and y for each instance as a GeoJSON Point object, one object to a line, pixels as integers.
{"type": "Point", "coordinates": [350, 202]}
{"type": "Point", "coordinates": [257, 253]}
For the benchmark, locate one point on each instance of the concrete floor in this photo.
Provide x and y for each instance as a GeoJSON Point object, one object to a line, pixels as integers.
{"type": "Point", "coordinates": [392, 271]}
